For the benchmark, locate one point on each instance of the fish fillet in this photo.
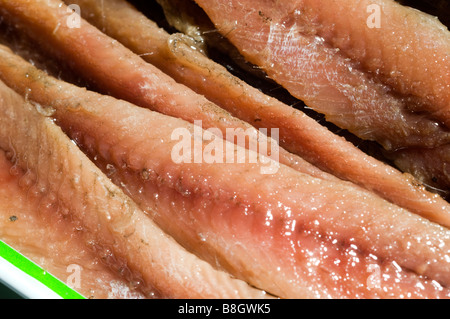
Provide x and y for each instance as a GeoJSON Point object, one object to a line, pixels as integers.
{"type": "Point", "coordinates": [62, 177]}
{"type": "Point", "coordinates": [403, 32]}
{"type": "Point", "coordinates": [51, 240]}
{"type": "Point", "coordinates": [129, 77]}
{"type": "Point", "coordinates": [299, 133]}
{"type": "Point", "coordinates": [287, 233]}
{"type": "Point", "coordinates": [368, 80]}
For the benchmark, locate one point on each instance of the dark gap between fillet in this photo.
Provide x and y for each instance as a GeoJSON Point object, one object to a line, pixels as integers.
{"type": "Point", "coordinates": [437, 8]}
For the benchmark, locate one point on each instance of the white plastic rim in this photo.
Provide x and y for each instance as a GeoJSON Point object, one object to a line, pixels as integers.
{"type": "Point", "coordinates": [24, 284]}
{"type": "Point", "coordinates": [28, 279]}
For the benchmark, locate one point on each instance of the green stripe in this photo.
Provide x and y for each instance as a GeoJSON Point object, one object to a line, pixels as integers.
{"type": "Point", "coordinates": [37, 272]}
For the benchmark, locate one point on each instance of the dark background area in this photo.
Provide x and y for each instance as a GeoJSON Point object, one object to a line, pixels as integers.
{"type": "Point", "coordinates": [438, 8]}
{"type": "Point", "coordinates": [6, 293]}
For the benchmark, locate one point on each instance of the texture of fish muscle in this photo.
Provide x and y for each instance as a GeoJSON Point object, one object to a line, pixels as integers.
{"type": "Point", "coordinates": [299, 133]}
{"type": "Point", "coordinates": [65, 178]}
{"type": "Point", "coordinates": [370, 81]}
{"type": "Point", "coordinates": [287, 233]}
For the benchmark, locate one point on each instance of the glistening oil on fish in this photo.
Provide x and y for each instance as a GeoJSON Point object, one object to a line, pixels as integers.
{"type": "Point", "coordinates": [299, 134]}
{"type": "Point", "coordinates": [325, 224]}
{"type": "Point", "coordinates": [365, 79]}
